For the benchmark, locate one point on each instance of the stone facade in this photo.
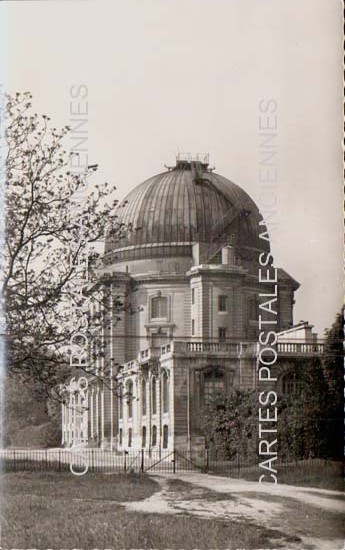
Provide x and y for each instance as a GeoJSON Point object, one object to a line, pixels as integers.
{"type": "Point", "coordinates": [190, 328]}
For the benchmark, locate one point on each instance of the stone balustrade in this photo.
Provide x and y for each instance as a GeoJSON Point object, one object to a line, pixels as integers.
{"type": "Point", "coordinates": [240, 348]}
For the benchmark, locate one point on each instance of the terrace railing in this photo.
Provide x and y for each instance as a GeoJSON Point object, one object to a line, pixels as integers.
{"type": "Point", "coordinates": [238, 349]}
{"type": "Point", "coordinates": [294, 348]}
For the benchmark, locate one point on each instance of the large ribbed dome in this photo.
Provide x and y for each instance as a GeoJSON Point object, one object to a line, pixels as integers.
{"type": "Point", "coordinates": [187, 204]}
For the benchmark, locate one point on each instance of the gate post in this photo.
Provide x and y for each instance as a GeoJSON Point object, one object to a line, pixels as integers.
{"type": "Point", "coordinates": [142, 460]}
{"type": "Point", "coordinates": [125, 463]}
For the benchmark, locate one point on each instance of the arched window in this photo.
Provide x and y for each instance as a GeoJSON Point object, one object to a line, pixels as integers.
{"type": "Point", "coordinates": [165, 436]}
{"type": "Point", "coordinates": [165, 392]}
{"type": "Point", "coordinates": [159, 307]}
{"type": "Point", "coordinates": [130, 437]}
{"type": "Point", "coordinates": [291, 384]}
{"type": "Point", "coordinates": [213, 384]}
{"type": "Point", "coordinates": [143, 397]}
{"type": "Point", "coordinates": [154, 395]}
{"type": "Point", "coordinates": [120, 401]}
{"type": "Point", "coordinates": [143, 442]}
{"type": "Point", "coordinates": [130, 398]}
{"type": "Point", "coordinates": [154, 436]}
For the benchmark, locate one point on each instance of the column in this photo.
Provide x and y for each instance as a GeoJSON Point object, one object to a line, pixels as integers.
{"type": "Point", "coordinates": [159, 410]}
{"type": "Point", "coordinates": [97, 413]}
{"type": "Point", "coordinates": [111, 412]}
{"type": "Point", "coordinates": [149, 411]}
{"type": "Point", "coordinates": [91, 413]}
{"type": "Point", "coordinates": [102, 416]}
{"type": "Point", "coordinates": [111, 357]}
{"type": "Point", "coordinates": [136, 413]}
{"type": "Point", "coordinates": [67, 420]}
{"type": "Point", "coordinates": [85, 417]}
{"type": "Point", "coordinates": [63, 423]}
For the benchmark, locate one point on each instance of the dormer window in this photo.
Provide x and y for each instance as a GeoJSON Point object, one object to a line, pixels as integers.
{"type": "Point", "coordinates": [159, 307]}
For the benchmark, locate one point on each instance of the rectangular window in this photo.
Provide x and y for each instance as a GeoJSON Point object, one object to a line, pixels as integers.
{"type": "Point", "coordinates": [193, 327]}
{"type": "Point", "coordinates": [193, 296]}
{"type": "Point", "coordinates": [222, 334]}
{"type": "Point", "coordinates": [159, 307]}
{"type": "Point", "coordinates": [213, 385]}
{"type": "Point", "coordinates": [130, 437]}
{"type": "Point", "coordinates": [222, 303]}
{"type": "Point", "coordinates": [253, 309]}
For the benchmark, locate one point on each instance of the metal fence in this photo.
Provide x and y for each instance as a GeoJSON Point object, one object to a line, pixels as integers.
{"type": "Point", "coordinates": [82, 460]}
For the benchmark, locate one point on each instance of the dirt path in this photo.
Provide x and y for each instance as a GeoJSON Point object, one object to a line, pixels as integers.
{"type": "Point", "coordinates": [312, 518]}
{"type": "Point", "coordinates": [323, 498]}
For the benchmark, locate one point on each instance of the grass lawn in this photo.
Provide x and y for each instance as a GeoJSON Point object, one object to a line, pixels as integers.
{"type": "Point", "coordinates": [59, 510]}
{"type": "Point", "coordinates": [50, 484]}
{"type": "Point", "coordinates": [328, 475]}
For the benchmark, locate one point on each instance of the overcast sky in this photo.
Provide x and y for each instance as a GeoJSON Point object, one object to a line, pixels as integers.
{"type": "Point", "coordinates": [164, 75]}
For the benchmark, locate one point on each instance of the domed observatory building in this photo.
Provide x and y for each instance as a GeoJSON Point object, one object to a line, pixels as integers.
{"type": "Point", "coordinates": [188, 274]}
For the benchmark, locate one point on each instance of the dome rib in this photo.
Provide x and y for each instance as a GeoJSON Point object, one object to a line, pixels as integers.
{"type": "Point", "coordinates": [173, 209]}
